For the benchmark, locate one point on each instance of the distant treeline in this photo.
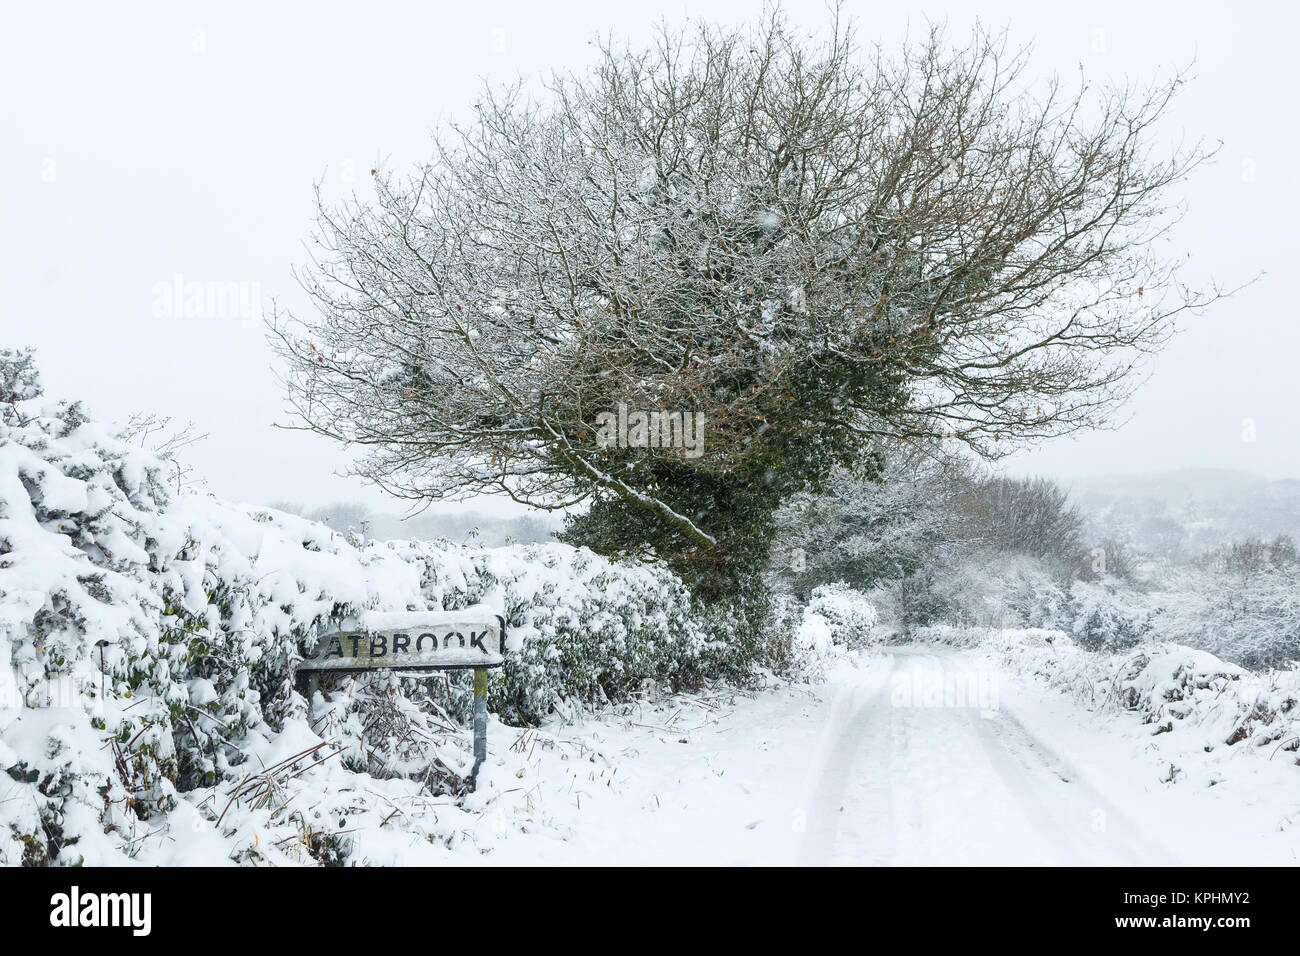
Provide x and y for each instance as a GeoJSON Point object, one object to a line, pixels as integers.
{"type": "Point", "coordinates": [489, 530]}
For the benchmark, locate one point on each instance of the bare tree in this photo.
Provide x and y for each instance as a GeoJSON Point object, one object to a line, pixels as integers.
{"type": "Point", "coordinates": [1032, 516]}
{"type": "Point", "coordinates": [166, 440]}
{"type": "Point", "coordinates": [808, 245]}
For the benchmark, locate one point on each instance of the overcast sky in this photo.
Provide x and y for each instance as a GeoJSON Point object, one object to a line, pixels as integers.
{"type": "Point", "coordinates": [182, 140]}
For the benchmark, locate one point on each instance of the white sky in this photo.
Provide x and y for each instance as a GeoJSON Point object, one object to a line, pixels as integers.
{"type": "Point", "coordinates": [184, 139]}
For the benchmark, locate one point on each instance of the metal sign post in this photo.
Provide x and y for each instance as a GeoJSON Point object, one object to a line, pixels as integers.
{"type": "Point", "coordinates": [480, 724]}
{"type": "Point", "coordinates": [418, 642]}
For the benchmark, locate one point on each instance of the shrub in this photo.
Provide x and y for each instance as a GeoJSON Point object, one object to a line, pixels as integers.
{"type": "Point", "coordinates": [1108, 614]}
{"type": "Point", "coordinates": [851, 619]}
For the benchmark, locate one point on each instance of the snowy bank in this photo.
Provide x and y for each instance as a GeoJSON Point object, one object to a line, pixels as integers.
{"type": "Point", "coordinates": [148, 638]}
{"type": "Point", "coordinates": [1169, 686]}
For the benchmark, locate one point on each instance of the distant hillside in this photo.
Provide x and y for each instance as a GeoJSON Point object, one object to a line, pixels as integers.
{"type": "Point", "coordinates": [1180, 513]}
{"type": "Point", "coordinates": [466, 526]}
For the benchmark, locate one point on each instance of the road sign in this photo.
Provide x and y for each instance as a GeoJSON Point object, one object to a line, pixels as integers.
{"type": "Point", "coordinates": [415, 642]}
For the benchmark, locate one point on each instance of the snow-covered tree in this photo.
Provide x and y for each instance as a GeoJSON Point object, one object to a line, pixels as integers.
{"type": "Point", "coordinates": [1241, 602]}
{"type": "Point", "coordinates": [869, 533]}
{"type": "Point", "coordinates": [1027, 516]}
{"type": "Point", "coordinates": [1108, 613]}
{"type": "Point", "coordinates": [805, 247]}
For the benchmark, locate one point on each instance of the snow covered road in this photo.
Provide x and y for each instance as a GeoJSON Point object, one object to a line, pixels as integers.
{"type": "Point", "coordinates": [889, 764]}
{"type": "Point", "coordinates": [912, 782]}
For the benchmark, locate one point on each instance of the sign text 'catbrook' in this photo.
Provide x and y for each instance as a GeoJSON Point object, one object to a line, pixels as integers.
{"type": "Point", "coordinates": [413, 640]}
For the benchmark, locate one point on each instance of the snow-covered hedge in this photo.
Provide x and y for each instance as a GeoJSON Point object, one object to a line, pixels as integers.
{"type": "Point", "coordinates": [837, 619]}
{"type": "Point", "coordinates": [849, 616]}
{"type": "Point", "coordinates": [580, 628]}
{"type": "Point", "coordinates": [147, 639]}
{"type": "Point", "coordinates": [1174, 687]}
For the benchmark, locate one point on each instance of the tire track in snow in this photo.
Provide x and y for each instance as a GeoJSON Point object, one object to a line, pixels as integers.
{"type": "Point", "coordinates": [903, 782]}
{"type": "Point", "coordinates": [1057, 799]}
{"type": "Point", "coordinates": [952, 808]}
{"type": "Point", "coordinates": [857, 735]}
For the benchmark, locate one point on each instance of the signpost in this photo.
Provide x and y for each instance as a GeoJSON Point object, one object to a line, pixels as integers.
{"type": "Point", "coordinates": [418, 642]}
